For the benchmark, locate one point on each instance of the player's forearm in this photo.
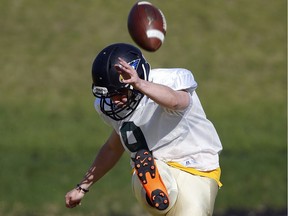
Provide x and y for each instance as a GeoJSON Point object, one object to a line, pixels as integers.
{"type": "Point", "coordinates": [107, 157]}
{"type": "Point", "coordinates": [164, 96]}
{"type": "Point", "coordinates": [101, 165]}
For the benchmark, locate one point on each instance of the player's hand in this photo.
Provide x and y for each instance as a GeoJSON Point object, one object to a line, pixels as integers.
{"type": "Point", "coordinates": [128, 73]}
{"type": "Point", "coordinates": [73, 198]}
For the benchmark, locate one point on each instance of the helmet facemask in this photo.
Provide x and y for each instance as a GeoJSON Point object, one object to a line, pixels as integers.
{"type": "Point", "coordinates": [109, 108]}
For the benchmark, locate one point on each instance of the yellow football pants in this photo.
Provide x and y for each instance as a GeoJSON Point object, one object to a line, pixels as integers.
{"type": "Point", "coordinates": [189, 195]}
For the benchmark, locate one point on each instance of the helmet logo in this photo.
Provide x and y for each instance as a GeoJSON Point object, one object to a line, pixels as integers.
{"type": "Point", "coordinates": [121, 78]}
{"type": "Point", "coordinates": [134, 64]}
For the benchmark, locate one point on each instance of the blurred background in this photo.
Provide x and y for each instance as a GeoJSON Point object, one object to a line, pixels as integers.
{"type": "Point", "coordinates": [50, 132]}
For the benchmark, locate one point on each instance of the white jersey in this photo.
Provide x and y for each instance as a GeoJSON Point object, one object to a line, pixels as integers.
{"type": "Point", "coordinates": [186, 137]}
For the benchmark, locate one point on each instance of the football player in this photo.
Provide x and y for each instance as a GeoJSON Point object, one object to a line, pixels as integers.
{"type": "Point", "coordinates": [158, 119]}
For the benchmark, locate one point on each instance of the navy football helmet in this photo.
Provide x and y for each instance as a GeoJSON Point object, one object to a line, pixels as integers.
{"type": "Point", "coordinates": [107, 81]}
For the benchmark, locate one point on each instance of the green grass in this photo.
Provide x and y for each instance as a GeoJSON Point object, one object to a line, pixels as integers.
{"type": "Point", "coordinates": [50, 132]}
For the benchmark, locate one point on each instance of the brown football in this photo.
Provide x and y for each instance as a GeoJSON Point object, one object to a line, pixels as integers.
{"type": "Point", "coordinates": [147, 26]}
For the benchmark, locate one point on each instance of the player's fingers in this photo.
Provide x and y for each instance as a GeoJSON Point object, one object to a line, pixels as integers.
{"type": "Point", "coordinates": [121, 69]}
{"type": "Point", "coordinates": [124, 64]}
{"type": "Point", "coordinates": [68, 203]}
{"type": "Point", "coordinates": [72, 204]}
{"type": "Point", "coordinates": [118, 67]}
{"type": "Point", "coordinates": [67, 199]}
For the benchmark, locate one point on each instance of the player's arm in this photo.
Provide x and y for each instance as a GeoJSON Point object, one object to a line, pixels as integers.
{"type": "Point", "coordinates": [163, 95]}
{"type": "Point", "coordinates": [107, 157]}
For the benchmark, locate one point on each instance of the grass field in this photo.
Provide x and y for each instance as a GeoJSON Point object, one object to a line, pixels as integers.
{"type": "Point", "coordinates": [50, 132]}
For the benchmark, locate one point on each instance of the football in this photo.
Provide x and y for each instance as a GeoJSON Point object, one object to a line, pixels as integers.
{"type": "Point", "coordinates": [147, 26]}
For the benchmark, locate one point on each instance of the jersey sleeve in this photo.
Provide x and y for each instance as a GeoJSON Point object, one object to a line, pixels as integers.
{"type": "Point", "coordinates": [175, 78]}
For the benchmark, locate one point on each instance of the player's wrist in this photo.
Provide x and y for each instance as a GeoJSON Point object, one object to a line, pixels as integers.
{"type": "Point", "coordinates": [140, 85]}
{"type": "Point", "coordinates": [81, 188]}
